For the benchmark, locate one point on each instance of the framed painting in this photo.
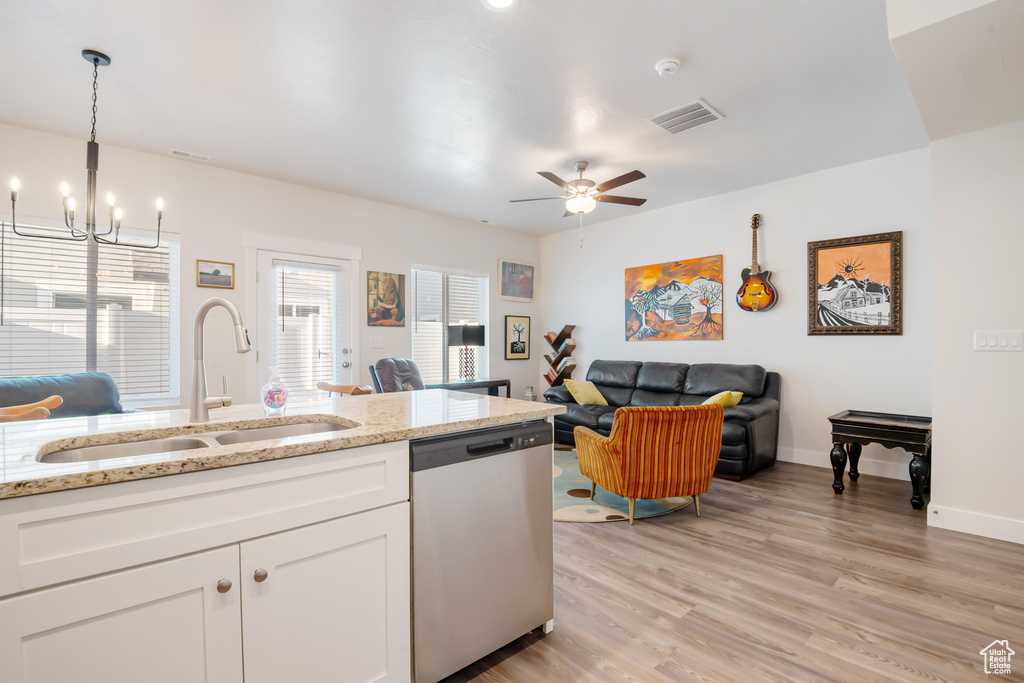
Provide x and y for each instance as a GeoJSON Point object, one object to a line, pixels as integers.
{"type": "Point", "coordinates": [215, 274]}
{"type": "Point", "coordinates": [515, 281]}
{"type": "Point", "coordinates": [678, 300]}
{"type": "Point", "coordinates": [385, 299]}
{"type": "Point", "coordinates": [517, 337]}
{"type": "Point", "coordinates": [854, 285]}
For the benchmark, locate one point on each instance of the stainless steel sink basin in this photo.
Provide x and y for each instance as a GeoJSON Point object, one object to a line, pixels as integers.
{"type": "Point", "coordinates": [125, 450]}
{"type": "Point", "coordinates": [277, 432]}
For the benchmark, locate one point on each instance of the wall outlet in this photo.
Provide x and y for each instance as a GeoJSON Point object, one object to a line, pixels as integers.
{"type": "Point", "coordinates": [376, 342]}
{"type": "Point", "coordinates": [1012, 340]}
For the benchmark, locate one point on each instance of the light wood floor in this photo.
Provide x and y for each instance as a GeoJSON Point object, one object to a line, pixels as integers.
{"type": "Point", "coordinates": [780, 579]}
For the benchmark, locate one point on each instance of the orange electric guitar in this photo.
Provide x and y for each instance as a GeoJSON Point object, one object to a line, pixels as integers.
{"type": "Point", "coordinates": [757, 293]}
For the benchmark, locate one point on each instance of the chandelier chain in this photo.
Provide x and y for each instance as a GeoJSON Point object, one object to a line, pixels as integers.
{"type": "Point", "coordinates": [95, 73]}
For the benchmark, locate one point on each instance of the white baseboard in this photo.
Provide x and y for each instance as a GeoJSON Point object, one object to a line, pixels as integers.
{"type": "Point", "coordinates": [878, 468]}
{"type": "Point", "coordinates": [990, 526]}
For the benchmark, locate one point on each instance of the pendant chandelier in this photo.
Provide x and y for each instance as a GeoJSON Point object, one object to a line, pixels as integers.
{"type": "Point", "coordinates": [111, 235]}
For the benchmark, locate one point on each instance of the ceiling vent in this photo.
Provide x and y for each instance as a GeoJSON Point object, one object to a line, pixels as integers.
{"type": "Point", "coordinates": [191, 156]}
{"type": "Point", "coordinates": [686, 117]}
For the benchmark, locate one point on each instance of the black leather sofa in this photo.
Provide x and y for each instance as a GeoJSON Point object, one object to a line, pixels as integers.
{"type": "Point", "coordinates": [750, 435]}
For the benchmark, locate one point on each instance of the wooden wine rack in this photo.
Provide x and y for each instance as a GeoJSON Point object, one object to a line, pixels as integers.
{"type": "Point", "coordinates": [560, 359]}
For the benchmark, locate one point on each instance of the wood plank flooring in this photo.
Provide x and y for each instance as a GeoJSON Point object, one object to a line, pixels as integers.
{"type": "Point", "coordinates": [779, 580]}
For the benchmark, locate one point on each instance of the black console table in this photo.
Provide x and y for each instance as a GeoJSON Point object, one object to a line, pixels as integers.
{"type": "Point", "coordinates": [492, 386]}
{"type": "Point", "coordinates": [852, 429]}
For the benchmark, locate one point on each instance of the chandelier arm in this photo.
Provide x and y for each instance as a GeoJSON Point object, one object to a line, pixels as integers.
{"type": "Point", "coordinates": [14, 228]}
{"type": "Point", "coordinates": [131, 245]}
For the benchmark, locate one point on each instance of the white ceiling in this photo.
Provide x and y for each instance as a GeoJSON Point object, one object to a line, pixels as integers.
{"type": "Point", "coordinates": [447, 107]}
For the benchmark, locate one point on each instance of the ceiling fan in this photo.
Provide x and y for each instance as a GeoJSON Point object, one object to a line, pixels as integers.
{"type": "Point", "coordinates": [582, 195]}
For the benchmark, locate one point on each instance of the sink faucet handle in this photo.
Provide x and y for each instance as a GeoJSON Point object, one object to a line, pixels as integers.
{"type": "Point", "coordinates": [224, 379]}
{"type": "Point", "coordinates": [226, 398]}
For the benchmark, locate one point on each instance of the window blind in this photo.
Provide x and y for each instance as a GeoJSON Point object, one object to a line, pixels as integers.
{"type": "Point", "coordinates": [43, 312]}
{"type": "Point", "coordinates": [305, 314]}
{"type": "Point", "coordinates": [440, 299]}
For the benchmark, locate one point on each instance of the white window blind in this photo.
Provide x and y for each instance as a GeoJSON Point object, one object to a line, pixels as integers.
{"type": "Point", "coordinates": [43, 312]}
{"type": "Point", "coordinates": [440, 299]}
{"type": "Point", "coordinates": [304, 326]}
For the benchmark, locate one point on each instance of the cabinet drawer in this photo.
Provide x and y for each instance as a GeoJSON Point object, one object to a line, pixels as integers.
{"type": "Point", "coordinates": [55, 537]}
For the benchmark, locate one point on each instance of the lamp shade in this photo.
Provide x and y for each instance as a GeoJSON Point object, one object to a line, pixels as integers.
{"type": "Point", "coordinates": [465, 335]}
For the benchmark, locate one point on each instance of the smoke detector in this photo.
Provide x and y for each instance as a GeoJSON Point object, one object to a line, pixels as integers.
{"type": "Point", "coordinates": [668, 66]}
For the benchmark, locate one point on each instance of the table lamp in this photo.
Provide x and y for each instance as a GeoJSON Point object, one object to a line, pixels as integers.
{"type": "Point", "coordinates": [466, 337]}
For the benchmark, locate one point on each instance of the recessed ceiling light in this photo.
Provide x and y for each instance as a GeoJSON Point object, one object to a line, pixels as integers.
{"type": "Point", "coordinates": [500, 5]}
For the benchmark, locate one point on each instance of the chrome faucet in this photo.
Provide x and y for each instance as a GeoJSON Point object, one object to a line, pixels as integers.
{"type": "Point", "coordinates": [201, 403]}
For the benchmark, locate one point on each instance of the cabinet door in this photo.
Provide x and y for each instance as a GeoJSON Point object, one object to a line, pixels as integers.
{"type": "Point", "coordinates": [164, 622]}
{"type": "Point", "coordinates": [334, 605]}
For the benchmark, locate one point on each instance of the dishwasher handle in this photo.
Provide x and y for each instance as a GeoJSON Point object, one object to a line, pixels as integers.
{"type": "Point", "coordinates": [490, 447]}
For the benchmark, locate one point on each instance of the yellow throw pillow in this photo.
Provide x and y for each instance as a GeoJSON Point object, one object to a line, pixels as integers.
{"type": "Point", "coordinates": [585, 393]}
{"type": "Point", "coordinates": [725, 399]}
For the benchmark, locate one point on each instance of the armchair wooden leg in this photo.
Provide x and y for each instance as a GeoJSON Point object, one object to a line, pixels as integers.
{"type": "Point", "coordinates": [696, 502]}
{"type": "Point", "coordinates": [632, 508]}
{"type": "Point", "coordinates": [593, 490]}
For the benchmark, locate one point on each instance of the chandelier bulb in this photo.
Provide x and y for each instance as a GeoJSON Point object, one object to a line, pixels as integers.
{"type": "Point", "coordinates": [118, 214]}
{"type": "Point", "coordinates": [64, 190]}
{"type": "Point", "coordinates": [71, 205]}
{"type": "Point", "coordinates": [15, 184]}
{"type": "Point", "coordinates": [159, 205]}
{"type": "Point", "coordinates": [110, 199]}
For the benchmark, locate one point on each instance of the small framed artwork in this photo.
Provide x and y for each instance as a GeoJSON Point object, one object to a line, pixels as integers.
{"type": "Point", "coordinates": [854, 285]}
{"type": "Point", "coordinates": [515, 281]}
{"type": "Point", "coordinates": [215, 274]}
{"type": "Point", "coordinates": [517, 337]}
{"type": "Point", "coordinates": [385, 299]}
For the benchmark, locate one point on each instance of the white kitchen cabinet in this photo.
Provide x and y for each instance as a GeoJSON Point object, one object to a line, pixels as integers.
{"type": "Point", "coordinates": [334, 603]}
{"type": "Point", "coordinates": [161, 623]}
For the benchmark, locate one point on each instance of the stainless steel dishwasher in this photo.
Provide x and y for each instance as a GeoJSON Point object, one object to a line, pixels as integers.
{"type": "Point", "coordinates": [481, 543]}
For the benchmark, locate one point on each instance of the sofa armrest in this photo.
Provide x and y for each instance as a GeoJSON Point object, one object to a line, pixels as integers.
{"type": "Point", "coordinates": [559, 394]}
{"type": "Point", "coordinates": [753, 410]}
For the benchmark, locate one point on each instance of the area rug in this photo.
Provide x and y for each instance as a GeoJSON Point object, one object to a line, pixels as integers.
{"type": "Point", "coordinates": [573, 504]}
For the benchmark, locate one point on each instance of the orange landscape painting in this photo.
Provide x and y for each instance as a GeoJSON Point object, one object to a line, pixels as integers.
{"type": "Point", "coordinates": [677, 300]}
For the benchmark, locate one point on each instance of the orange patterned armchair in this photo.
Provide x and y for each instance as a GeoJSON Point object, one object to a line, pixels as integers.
{"type": "Point", "coordinates": [654, 452]}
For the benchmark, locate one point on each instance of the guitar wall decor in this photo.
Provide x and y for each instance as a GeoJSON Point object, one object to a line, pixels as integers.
{"type": "Point", "coordinates": [757, 293]}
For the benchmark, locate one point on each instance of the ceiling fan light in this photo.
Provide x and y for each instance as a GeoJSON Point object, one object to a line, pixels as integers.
{"type": "Point", "coordinates": [580, 204]}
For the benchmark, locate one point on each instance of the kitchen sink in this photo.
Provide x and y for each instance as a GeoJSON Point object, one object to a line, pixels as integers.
{"type": "Point", "coordinates": [217, 437]}
{"type": "Point", "coordinates": [125, 450]}
{"type": "Point", "coordinates": [276, 432]}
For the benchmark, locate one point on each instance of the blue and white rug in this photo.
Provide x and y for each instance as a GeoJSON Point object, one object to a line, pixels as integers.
{"type": "Point", "coordinates": [573, 504]}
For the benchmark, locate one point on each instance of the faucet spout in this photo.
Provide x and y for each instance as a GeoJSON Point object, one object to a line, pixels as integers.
{"type": "Point", "coordinates": [201, 403]}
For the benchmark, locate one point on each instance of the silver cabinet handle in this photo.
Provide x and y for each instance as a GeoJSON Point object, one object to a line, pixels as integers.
{"type": "Point", "coordinates": [223, 586]}
{"type": "Point", "coordinates": [260, 575]}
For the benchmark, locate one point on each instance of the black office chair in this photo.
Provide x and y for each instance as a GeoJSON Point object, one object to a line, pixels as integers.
{"type": "Point", "coordinates": [396, 374]}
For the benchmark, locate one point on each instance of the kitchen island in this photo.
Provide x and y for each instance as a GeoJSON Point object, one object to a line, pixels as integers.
{"type": "Point", "coordinates": [285, 559]}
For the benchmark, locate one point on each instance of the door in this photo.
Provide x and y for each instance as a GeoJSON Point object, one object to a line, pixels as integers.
{"type": "Point", "coordinates": [329, 602]}
{"type": "Point", "coordinates": [305, 324]}
{"type": "Point", "coordinates": [161, 623]}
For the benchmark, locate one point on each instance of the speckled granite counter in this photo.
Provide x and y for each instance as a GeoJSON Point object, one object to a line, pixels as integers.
{"type": "Point", "coordinates": [376, 418]}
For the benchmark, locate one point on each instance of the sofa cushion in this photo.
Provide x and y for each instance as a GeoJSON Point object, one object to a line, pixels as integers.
{"type": "Point", "coordinates": [707, 379]}
{"type": "Point", "coordinates": [663, 377]}
{"type": "Point", "coordinates": [85, 393]}
{"type": "Point", "coordinates": [614, 373]}
{"type": "Point", "coordinates": [733, 433]}
{"type": "Point", "coordinates": [726, 399]}
{"type": "Point", "coordinates": [605, 421]}
{"type": "Point", "coordinates": [584, 416]}
{"type": "Point", "coordinates": [690, 400]}
{"type": "Point", "coordinates": [585, 393]}
{"type": "Point", "coordinates": [642, 397]}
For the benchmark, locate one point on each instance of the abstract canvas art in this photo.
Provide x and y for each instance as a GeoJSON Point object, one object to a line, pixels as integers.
{"type": "Point", "coordinates": [678, 300]}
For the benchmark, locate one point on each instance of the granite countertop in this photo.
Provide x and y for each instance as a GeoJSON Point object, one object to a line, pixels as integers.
{"type": "Point", "coordinates": [375, 418]}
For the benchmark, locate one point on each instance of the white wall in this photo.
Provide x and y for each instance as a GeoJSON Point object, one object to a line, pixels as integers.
{"type": "Point", "coordinates": [820, 375]}
{"type": "Point", "coordinates": [978, 205]}
{"type": "Point", "coordinates": [211, 209]}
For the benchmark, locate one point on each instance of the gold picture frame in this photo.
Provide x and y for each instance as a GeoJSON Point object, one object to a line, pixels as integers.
{"type": "Point", "coordinates": [211, 274]}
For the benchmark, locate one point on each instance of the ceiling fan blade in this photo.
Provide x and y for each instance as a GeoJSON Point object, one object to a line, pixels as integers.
{"type": "Point", "coordinates": [612, 199]}
{"type": "Point", "coordinates": [556, 180]}
{"type": "Point", "coordinates": [535, 199]}
{"type": "Point", "coordinates": [621, 180]}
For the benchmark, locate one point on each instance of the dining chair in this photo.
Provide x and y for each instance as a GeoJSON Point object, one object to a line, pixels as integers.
{"type": "Point", "coordinates": [40, 410]}
{"type": "Point", "coordinates": [345, 389]}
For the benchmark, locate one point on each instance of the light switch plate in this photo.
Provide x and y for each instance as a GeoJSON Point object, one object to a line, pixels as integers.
{"type": "Point", "coordinates": [376, 342]}
{"type": "Point", "coordinates": [1000, 340]}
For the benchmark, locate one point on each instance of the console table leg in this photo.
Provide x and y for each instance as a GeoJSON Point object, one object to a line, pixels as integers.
{"type": "Point", "coordinates": [838, 457]}
{"type": "Point", "coordinates": [854, 450]}
{"type": "Point", "coordinates": [918, 475]}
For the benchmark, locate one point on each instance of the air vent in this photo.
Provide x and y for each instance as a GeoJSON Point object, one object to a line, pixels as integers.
{"type": "Point", "coordinates": [686, 117]}
{"type": "Point", "coordinates": [192, 156]}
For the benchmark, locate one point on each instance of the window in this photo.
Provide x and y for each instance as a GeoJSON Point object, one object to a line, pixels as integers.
{"type": "Point", "coordinates": [45, 326]}
{"type": "Point", "coordinates": [304, 322]}
{"type": "Point", "coordinates": [440, 299]}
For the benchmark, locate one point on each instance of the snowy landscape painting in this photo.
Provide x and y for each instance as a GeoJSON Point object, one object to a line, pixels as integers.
{"type": "Point", "coordinates": [854, 285]}
{"type": "Point", "coordinates": [678, 300]}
